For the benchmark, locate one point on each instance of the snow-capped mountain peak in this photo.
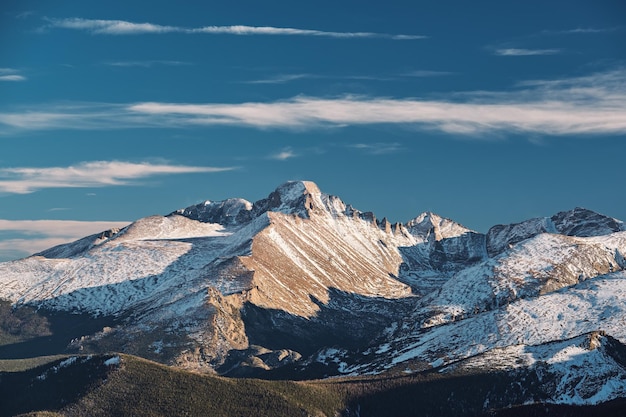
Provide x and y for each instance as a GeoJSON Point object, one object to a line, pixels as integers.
{"type": "Point", "coordinates": [431, 226]}
{"type": "Point", "coordinates": [583, 222]}
{"type": "Point", "coordinates": [227, 212]}
{"type": "Point", "coordinates": [228, 285]}
{"type": "Point", "coordinates": [577, 222]}
{"type": "Point", "coordinates": [293, 197]}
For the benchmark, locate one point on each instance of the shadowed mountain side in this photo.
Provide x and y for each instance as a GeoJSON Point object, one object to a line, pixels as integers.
{"type": "Point", "coordinates": [159, 316]}
{"type": "Point", "coordinates": [122, 385]}
{"type": "Point", "coordinates": [577, 222]}
{"type": "Point", "coordinates": [63, 328]}
{"type": "Point", "coordinates": [301, 285]}
{"type": "Point", "coordinates": [426, 266]}
{"type": "Point", "coordinates": [586, 369]}
{"type": "Point", "coordinates": [348, 323]}
{"type": "Point", "coordinates": [182, 318]}
{"type": "Point", "coordinates": [51, 386]}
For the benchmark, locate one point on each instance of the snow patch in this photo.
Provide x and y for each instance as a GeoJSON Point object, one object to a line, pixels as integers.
{"type": "Point", "coordinates": [115, 360]}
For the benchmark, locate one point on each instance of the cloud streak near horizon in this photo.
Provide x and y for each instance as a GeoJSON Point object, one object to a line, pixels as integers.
{"type": "Point", "coordinates": [122, 27]}
{"type": "Point", "coordinates": [594, 104]}
{"type": "Point", "coordinates": [26, 180]}
{"type": "Point", "coordinates": [33, 236]}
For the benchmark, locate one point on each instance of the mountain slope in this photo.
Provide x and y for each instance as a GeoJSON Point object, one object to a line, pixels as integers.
{"type": "Point", "coordinates": [122, 385]}
{"type": "Point", "coordinates": [300, 284]}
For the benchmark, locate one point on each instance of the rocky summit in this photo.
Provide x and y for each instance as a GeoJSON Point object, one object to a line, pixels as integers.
{"type": "Point", "coordinates": [301, 285]}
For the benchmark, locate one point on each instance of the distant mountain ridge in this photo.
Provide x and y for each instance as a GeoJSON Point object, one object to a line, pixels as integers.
{"type": "Point", "coordinates": [301, 284]}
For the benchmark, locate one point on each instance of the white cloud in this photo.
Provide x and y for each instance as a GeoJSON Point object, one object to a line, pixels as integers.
{"type": "Point", "coordinates": [379, 148]}
{"type": "Point", "coordinates": [24, 180]}
{"type": "Point", "coordinates": [267, 30]}
{"type": "Point", "coordinates": [12, 77]}
{"type": "Point", "coordinates": [525, 52]}
{"type": "Point", "coordinates": [10, 74]}
{"type": "Point", "coordinates": [285, 154]}
{"type": "Point", "coordinates": [593, 104]}
{"type": "Point", "coordinates": [282, 79]}
{"type": "Point", "coordinates": [577, 31]}
{"type": "Point", "coordinates": [110, 27]}
{"type": "Point", "coordinates": [74, 116]}
{"type": "Point", "coordinates": [121, 27]}
{"type": "Point", "coordinates": [463, 118]}
{"type": "Point", "coordinates": [285, 78]}
{"type": "Point", "coordinates": [37, 235]}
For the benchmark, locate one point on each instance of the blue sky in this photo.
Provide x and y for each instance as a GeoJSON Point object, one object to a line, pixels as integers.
{"type": "Point", "coordinates": [485, 112]}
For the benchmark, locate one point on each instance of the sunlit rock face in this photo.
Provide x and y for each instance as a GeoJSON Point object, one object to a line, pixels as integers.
{"type": "Point", "coordinates": [301, 280]}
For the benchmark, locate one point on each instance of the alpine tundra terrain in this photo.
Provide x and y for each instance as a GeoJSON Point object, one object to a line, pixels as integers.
{"type": "Point", "coordinates": [419, 318]}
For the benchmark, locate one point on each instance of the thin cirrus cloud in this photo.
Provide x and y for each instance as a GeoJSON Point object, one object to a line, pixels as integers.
{"type": "Point", "coordinates": [11, 74]}
{"type": "Point", "coordinates": [579, 31]}
{"type": "Point", "coordinates": [380, 148]}
{"type": "Point", "coordinates": [286, 78]}
{"type": "Point", "coordinates": [25, 180]}
{"type": "Point", "coordinates": [283, 78]}
{"type": "Point", "coordinates": [594, 104]}
{"type": "Point", "coordinates": [122, 27]}
{"type": "Point", "coordinates": [284, 154]}
{"type": "Point", "coordinates": [31, 236]}
{"type": "Point", "coordinates": [526, 52]}
{"type": "Point", "coordinates": [591, 104]}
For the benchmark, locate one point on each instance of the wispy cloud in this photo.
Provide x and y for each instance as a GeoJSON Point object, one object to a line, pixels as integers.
{"type": "Point", "coordinates": [31, 236]}
{"type": "Point", "coordinates": [25, 180]}
{"type": "Point", "coordinates": [284, 154]}
{"type": "Point", "coordinates": [110, 27]}
{"type": "Point", "coordinates": [578, 31]}
{"type": "Point", "coordinates": [525, 52]}
{"type": "Point", "coordinates": [24, 14]}
{"type": "Point", "coordinates": [286, 78]}
{"type": "Point", "coordinates": [593, 104]}
{"type": "Point", "coordinates": [379, 148]}
{"type": "Point", "coordinates": [79, 115]}
{"type": "Point", "coordinates": [121, 27]}
{"type": "Point", "coordinates": [282, 79]}
{"type": "Point", "coordinates": [11, 74]}
{"type": "Point", "coordinates": [13, 77]}
{"type": "Point", "coordinates": [584, 105]}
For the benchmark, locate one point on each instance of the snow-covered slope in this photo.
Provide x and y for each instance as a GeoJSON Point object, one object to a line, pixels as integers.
{"type": "Point", "coordinates": [302, 279]}
{"type": "Point", "coordinates": [539, 265]}
{"type": "Point", "coordinates": [194, 269]}
{"type": "Point", "coordinates": [578, 222]}
{"type": "Point", "coordinates": [584, 370]}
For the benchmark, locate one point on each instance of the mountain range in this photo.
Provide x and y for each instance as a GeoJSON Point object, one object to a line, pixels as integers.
{"type": "Point", "coordinates": [301, 286]}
